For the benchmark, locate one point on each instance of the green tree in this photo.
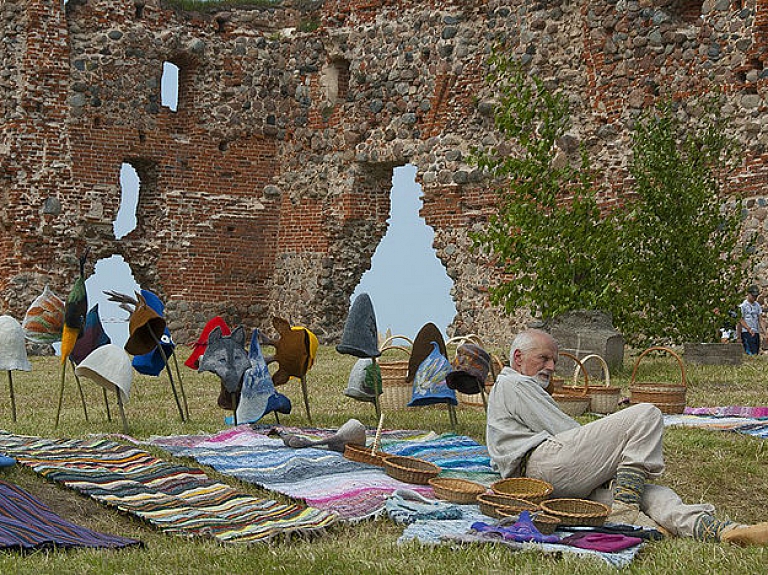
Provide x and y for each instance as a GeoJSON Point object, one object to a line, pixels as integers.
{"type": "Point", "coordinates": [547, 235]}
{"type": "Point", "coordinates": [683, 266]}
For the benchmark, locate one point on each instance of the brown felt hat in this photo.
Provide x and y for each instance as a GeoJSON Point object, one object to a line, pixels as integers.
{"type": "Point", "coordinates": [291, 352]}
{"type": "Point", "coordinates": [422, 348]}
{"type": "Point", "coordinates": [470, 369]}
{"type": "Point", "coordinates": [146, 328]}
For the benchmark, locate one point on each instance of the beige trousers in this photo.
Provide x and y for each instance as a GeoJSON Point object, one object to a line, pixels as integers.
{"type": "Point", "coordinates": [578, 462]}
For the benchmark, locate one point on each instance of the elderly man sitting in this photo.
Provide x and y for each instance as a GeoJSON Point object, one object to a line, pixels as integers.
{"type": "Point", "coordinates": [528, 435]}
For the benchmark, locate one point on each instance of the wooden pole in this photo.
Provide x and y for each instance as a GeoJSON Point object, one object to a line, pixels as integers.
{"type": "Point", "coordinates": [306, 397]}
{"type": "Point", "coordinates": [61, 393]}
{"type": "Point", "coordinates": [13, 397]}
{"type": "Point", "coordinates": [168, 369]}
{"type": "Point", "coordinates": [181, 383]}
{"type": "Point", "coordinates": [121, 409]}
{"type": "Point", "coordinates": [79, 389]}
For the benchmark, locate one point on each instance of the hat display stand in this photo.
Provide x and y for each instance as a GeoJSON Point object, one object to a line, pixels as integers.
{"type": "Point", "coordinates": [668, 397]}
{"type": "Point", "coordinates": [603, 398]}
{"type": "Point", "coordinates": [572, 399]}
{"type": "Point", "coordinates": [395, 390]}
{"type": "Point", "coordinates": [61, 392]}
{"type": "Point", "coordinates": [110, 367]}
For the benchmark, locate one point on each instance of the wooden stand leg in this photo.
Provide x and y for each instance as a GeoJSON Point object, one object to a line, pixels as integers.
{"type": "Point", "coordinates": [122, 411]}
{"type": "Point", "coordinates": [181, 384]}
{"type": "Point", "coordinates": [170, 375]}
{"type": "Point", "coordinates": [13, 397]}
{"type": "Point", "coordinates": [234, 407]}
{"type": "Point", "coordinates": [452, 416]}
{"type": "Point", "coordinates": [106, 404]}
{"type": "Point", "coordinates": [80, 390]}
{"type": "Point", "coordinates": [61, 393]}
{"type": "Point", "coordinates": [306, 397]}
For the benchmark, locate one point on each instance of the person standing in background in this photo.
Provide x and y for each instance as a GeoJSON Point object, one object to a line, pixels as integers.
{"type": "Point", "coordinates": [751, 321]}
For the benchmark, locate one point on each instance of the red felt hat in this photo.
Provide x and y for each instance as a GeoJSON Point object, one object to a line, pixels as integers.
{"type": "Point", "coordinates": [193, 361]}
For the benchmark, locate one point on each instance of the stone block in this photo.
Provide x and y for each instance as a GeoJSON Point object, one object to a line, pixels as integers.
{"type": "Point", "coordinates": [582, 333]}
{"type": "Point", "coordinates": [713, 353]}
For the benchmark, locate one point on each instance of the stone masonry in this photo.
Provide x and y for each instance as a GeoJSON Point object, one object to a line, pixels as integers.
{"type": "Point", "coordinates": [267, 191]}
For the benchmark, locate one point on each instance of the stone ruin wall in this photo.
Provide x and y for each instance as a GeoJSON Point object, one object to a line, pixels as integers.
{"type": "Point", "coordinates": [267, 192]}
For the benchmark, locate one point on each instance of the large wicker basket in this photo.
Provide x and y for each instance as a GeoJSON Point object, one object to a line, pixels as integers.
{"type": "Point", "coordinates": [363, 454]}
{"type": "Point", "coordinates": [410, 469]}
{"type": "Point", "coordinates": [577, 512]}
{"type": "Point", "coordinates": [571, 399]}
{"type": "Point", "coordinates": [395, 391]}
{"type": "Point", "coordinates": [603, 398]}
{"type": "Point", "coordinates": [528, 488]}
{"type": "Point", "coordinates": [668, 397]}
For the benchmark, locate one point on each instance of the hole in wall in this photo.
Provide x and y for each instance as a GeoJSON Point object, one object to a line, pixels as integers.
{"type": "Point", "coordinates": [169, 86]}
{"type": "Point", "coordinates": [407, 283]}
{"type": "Point", "coordinates": [125, 221]}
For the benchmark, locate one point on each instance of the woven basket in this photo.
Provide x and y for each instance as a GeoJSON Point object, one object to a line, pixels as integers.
{"type": "Point", "coordinates": [456, 490]}
{"type": "Point", "coordinates": [528, 488]}
{"type": "Point", "coordinates": [499, 506]}
{"type": "Point", "coordinates": [410, 469]}
{"type": "Point", "coordinates": [571, 399]}
{"type": "Point", "coordinates": [363, 454]}
{"type": "Point", "coordinates": [395, 391]}
{"type": "Point", "coordinates": [603, 398]}
{"type": "Point", "coordinates": [577, 512]}
{"type": "Point", "coordinates": [669, 398]}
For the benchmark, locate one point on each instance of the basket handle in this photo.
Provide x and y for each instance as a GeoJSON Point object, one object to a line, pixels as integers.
{"type": "Point", "coordinates": [391, 338]}
{"type": "Point", "coordinates": [580, 366]}
{"type": "Point", "coordinates": [659, 348]}
{"type": "Point", "coordinates": [398, 347]}
{"type": "Point", "coordinates": [461, 339]}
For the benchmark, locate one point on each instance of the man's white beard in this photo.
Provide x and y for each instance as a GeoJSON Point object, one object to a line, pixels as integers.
{"type": "Point", "coordinates": [542, 379]}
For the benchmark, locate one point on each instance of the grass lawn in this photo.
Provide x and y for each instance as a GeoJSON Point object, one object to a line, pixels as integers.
{"type": "Point", "coordinates": [726, 469]}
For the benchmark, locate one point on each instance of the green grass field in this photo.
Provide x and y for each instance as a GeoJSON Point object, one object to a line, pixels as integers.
{"type": "Point", "coordinates": [728, 470]}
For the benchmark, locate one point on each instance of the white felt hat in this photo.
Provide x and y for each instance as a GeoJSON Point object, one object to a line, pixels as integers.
{"type": "Point", "coordinates": [13, 353]}
{"type": "Point", "coordinates": [110, 367]}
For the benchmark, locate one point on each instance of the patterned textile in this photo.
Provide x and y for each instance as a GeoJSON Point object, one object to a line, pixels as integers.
{"type": "Point", "coordinates": [27, 523]}
{"type": "Point", "coordinates": [325, 479]}
{"type": "Point", "coordinates": [729, 411]}
{"type": "Point", "coordinates": [756, 427]}
{"type": "Point", "coordinates": [176, 499]}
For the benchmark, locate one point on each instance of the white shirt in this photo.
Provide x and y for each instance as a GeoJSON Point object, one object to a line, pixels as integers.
{"type": "Point", "coordinates": [751, 313]}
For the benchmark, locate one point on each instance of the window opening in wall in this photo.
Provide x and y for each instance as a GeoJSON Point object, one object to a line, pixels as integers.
{"type": "Point", "coordinates": [334, 81]}
{"type": "Point", "coordinates": [169, 86]}
{"type": "Point", "coordinates": [407, 283]}
{"type": "Point", "coordinates": [114, 273]}
{"type": "Point", "coordinates": [689, 11]}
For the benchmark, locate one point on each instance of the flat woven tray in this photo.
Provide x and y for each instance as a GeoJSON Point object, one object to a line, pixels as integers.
{"type": "Point", "coordinates": [577, 512]}
{"type": "Point", "coordinates": [456, 490]}
{"type": "Point", "coordinates": [528, 488]}
{"type": "Point", "coordinates": [410, 469]}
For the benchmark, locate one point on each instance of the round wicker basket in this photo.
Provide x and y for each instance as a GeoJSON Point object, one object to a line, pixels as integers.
{"type": "Point", "coordinates": [571, 399]}
{"type": "Point", "coordinates": [364, 454]}
{"type": "Point", "coordinates": [498, 506]}
{"type": "Point", "coordinates": [669, 398]}
{"type": "Point", "coordinates": [577, 512]}
{"type": "Point", "coordinates": [603, 398]}
{"type": "Point", "coordinates": [410, 469]}
{"type": "Point", "coordinates": [456, 490]}
{"type": "Point", "coordinates": [528, 488]}
{"type": "Point", "coordinates": [395, 391]}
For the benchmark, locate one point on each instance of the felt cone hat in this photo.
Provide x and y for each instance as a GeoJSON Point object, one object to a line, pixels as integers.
{"type": "Point", "coordinates": [146, 328]}
{"type": "Point", "coordinates": [360, 336]}
{"type": "Point", "coordinates": [13, 353]}
{"type": "Point", "coordinates": [429, 385]}
{"type": "Point", "coordinates": [470, 369]}
{"type": "Point", "coordinates": [110, 367]}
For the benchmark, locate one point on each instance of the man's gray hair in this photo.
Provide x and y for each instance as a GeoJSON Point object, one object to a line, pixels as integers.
{"type": "Point", "coordinates": [526, 341]}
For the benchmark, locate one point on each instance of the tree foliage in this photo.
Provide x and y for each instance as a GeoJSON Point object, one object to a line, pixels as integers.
{"type": "Point", "coordinates": [667, 264]}
{"type": "Point", "coordinates": [548, 234]}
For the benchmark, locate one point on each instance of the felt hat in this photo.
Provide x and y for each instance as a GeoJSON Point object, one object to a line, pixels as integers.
{"type": "Point", "coordinates": [470, 369]}
{"type": "Point", "coordinates": [146, 327]}
{"type": "Point", "coordinates": [92, 336]}
{"type": "Point", "coordinates": [44, 319]}
{"type": "Point", "coordinates": [292, 351]}
{"type": "Point", "coordinates": [110, 367]}
{"type": "Point", "coordinates": [361, 336]}
{"type": "Point", "coordinates": [193, 361]}
{"type": "Point", "coordinates": [422, 347]}
{"type": "Point", "coordinates": [13, 352]}
{"type": "Point", "coordinates": [153, 363]}
{"type": "Point", "coordinates": [226, 357]}
{"type": "Point", "coordinates": [258, 389]}
{"type": "Point", "coordinates": [364, 380]}
{"type": "Point", "coordinates": [429, 385]}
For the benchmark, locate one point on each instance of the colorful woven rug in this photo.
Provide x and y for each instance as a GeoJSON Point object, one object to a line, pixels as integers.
{"type": "Point", "coordinates": [26, 523]}
{"type": "Point", "coordinates": [177, 499]}
{"type": "Point", "coordinates": [746, 420]}
{"type": "Point", "coordinates": [325, 479]}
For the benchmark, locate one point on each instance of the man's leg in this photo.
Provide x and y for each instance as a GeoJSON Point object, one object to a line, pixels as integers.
{"type": "Point", "coordinates": [579, 460]}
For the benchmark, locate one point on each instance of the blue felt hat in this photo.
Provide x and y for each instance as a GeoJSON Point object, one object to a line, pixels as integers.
{"type": "Point", "coordinates": [258, 395]}
{"type": "Point", "coordinates": [6, 461]}
{"type": "Point", "coordinates": [152, 363]}
{"type": "Point", "coordinates": [429, 385]}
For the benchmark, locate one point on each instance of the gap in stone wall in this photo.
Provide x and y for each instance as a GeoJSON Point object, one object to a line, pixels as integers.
{"type": "Point", "coordinates": [407, 283]}
{"type": "Point", "coordinates": [169, 86]}
{"type": "Point", "coordinates": [114, 273]}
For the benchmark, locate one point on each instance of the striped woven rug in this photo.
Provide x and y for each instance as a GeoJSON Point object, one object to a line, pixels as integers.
{"type": "Point", "coordinates": [325, 479]}
{"type": "Point", "coordinates": [26, 523]}
{"type": "Point", "coordinates": [176, 499]}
